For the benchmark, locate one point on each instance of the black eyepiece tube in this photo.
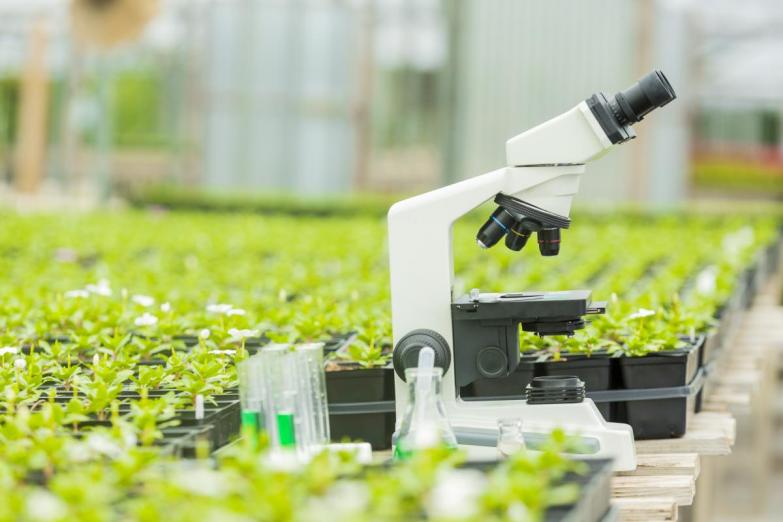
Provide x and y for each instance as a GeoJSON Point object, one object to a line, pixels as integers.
{"type": "Point", "coordinates": [651, 92]}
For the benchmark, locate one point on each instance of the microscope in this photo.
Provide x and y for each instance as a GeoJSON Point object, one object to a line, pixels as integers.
{"type": "Point", "coordinates": [477, 335]}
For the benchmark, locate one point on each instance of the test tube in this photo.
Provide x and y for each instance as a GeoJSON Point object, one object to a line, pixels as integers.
{"type": "Point", "coordinates": [251, 399]}
{"type": "Point", "coordinates": [315, 414]}
{"type": "Point", "coordinates": [280, 376]}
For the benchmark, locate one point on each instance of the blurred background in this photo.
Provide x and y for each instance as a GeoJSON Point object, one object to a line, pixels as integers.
{"type": "Point", "coordinates": [101, 99]}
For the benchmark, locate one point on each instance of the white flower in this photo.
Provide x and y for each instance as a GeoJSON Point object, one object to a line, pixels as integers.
{"type": "Point", "coordinates": [225, 309]}
{"type": "Point", "coordinates": [165, 307]}
{"type": "Point", "coordinates": [129, 438]}
{"type": "Point", "coordinates": [219, 308]}
{"type": "Point", "coordinates": [455, 495]}
{"type": "Point", "coordinates": [223, 352]}
{"type": "Point", "coordinates": [641, 313]}
{"type": "Point", "coordinates": [70, 294]}
{"type": "Point", "coordinates": [204, 334]}
{"type": "Point", "coordinates": [143, 300]}
{"type": "Point", "coordinates": [146, 319]}
{"type": "Point", "coordinates": [78, 451]}
{"type": "Point", "coordinates": [101, 444]}
{"type": "Point", "coordinates": [66, 255]}
{"type": "Point", "coordinates": [203, 482]}
{"type": "Point", "coordinates": [518, 512]}
{"type": "Point", "coordinates": [8, 349]}
{"type": "Point", "coordinates": [237, 334]}
{"type": "Point", "coordinates": [344, 500]}
{"type": "Point", "coordinates": [706, 281]}
{"type": "Point", "coordinates": [101, 288]}
{"type": "Point", "coordinates": [734, 243]}
{"type": "Point", "coordinates": [96, 359]}
{"type": "Point", "coordinates": [20, 363]}
{"type": "Point", "coordinates": [43, 506]}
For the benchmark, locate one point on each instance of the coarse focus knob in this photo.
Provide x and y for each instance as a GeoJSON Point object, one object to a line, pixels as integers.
{"type": "Point", "coordinates": [406, 352]}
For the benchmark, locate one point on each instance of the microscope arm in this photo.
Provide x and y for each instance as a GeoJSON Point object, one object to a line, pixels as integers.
{"type": "Point", "coordinates": [420, 236]}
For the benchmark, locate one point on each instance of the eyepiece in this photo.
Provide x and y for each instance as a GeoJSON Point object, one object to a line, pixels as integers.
{"type": "Point", "coordinates": [651, 92]}
{"type": "Point", "coordinates": [549, 241]}
{"type": "Point", "coordinates": [495, 228]}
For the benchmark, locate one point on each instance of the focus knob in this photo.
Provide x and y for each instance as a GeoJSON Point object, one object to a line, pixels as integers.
{"type": "Point", "coordinates": [406, 352]}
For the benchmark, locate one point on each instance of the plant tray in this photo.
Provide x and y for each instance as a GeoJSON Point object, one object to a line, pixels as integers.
{"type": "Point", "coordinates": [655, 394]}
{"type": "Point", "coordinates": [594, 498]}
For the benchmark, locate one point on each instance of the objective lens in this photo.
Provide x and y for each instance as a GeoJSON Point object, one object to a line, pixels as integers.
{"type": "Point", "coordinates": [495, 228]}
{"type": "Point", "coordinates": [549, 241]}
{"type": "Point", "coordinates": [517, 237]}
{"type": "Point", "coordinates": [651, 92]}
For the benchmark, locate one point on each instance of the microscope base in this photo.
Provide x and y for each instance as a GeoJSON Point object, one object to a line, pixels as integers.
{"type": "Point", "coordinates": [475, 425]}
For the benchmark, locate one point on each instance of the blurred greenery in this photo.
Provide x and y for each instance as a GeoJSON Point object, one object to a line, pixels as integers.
{"type": "Point", "coordinates": [738, 175]}
{"type": "Point", "coordinates": [137, 103]}
{"type": "Point", "coordinates": [205, 200]}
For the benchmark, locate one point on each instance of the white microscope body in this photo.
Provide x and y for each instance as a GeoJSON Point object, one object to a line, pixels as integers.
{"type": "Point", "coordinates": [543, 168]}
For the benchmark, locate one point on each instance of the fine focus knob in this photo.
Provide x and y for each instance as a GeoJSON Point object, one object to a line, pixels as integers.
{"type": "Point", "coordinates": [492, 362]}
{"type": "Point", "coordinates": [406, 352]}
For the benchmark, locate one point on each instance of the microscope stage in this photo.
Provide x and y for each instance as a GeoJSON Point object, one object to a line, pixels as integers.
{"type": "Point", "coordinates": [526, 306]}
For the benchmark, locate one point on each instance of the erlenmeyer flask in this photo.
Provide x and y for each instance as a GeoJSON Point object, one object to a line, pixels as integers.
{"type": "Point", "coordinates": [424, 424]}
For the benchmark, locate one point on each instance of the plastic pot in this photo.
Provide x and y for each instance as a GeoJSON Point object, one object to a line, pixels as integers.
{"type": "Point", "coordinates": [659, 418]}
{"type": "Point", "coordinates": [708, 351]}
{"type": "Point", "coordinates": [595, 370]}
{"type": "Point", "coordinates": [361, 404]}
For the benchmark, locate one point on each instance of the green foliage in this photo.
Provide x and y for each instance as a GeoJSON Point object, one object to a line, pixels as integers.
{"type": "Point", "coordinates": [733, 175]}
{"type": "Point", "coordinates": [96, 305]}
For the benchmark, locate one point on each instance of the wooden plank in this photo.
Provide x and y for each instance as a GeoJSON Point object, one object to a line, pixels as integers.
{"type": "Point", "coordinates": [651, 509]}
{"type": "Point", "coordinates": [657, 464]}
{"type": "Point", "coordinates": [709, 433]}
{"type": "Point", "coordinates": [679, 487]}
{"type": "Point", "coordinates": [32, 115]}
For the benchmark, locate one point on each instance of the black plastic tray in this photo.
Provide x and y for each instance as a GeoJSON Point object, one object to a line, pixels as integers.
{"type": "Point", "coordinates": [655, 394]}
{"type": "Point", "coordinates": [594, 498]}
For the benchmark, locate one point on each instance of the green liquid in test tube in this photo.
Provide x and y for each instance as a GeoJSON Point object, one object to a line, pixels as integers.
{"type": "Point", "coordinates": [285, 429]}
{"type": "Point", "coordinates": [251, 426]}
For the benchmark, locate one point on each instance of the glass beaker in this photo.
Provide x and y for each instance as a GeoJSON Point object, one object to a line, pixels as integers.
{"type": "Point", "coordinates": [511, 438]}
{"type": "Point", "coordinates": [424, 424]}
